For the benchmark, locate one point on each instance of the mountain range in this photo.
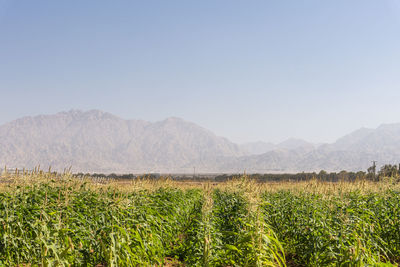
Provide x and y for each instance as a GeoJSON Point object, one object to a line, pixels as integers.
{"type": "Point", "coordinates": [96, 141]}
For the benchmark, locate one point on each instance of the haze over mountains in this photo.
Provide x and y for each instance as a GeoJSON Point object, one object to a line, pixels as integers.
{"type": "Point", "coordinates": [260, 147]}
{"type": "Point", "coordinates": [97, 141]}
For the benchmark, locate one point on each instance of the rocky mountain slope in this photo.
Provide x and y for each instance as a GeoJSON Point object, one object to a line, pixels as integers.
{"type": "Point", "coordinates": [101, 142]}
{"type": "Point", "coordinates": [354, 152]}
{"type": "Point", "coordinates": [97, 141]}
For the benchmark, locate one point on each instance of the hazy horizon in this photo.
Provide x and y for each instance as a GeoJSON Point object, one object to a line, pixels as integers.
{"type": "Point", "coordinates": [259, 71]}
{"type": "Point", "coordinates": [246, 142]}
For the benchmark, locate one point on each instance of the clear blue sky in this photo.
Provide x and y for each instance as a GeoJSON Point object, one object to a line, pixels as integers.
{"type": "Point", "coordinates": [247, 70]}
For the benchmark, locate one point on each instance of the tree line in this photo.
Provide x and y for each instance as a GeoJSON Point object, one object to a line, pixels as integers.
{"type": "Point", "coordinates": [372, 174]}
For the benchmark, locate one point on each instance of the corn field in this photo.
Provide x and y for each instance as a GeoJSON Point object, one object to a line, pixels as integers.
{"type": "Point", "coordinates": [48, 220]}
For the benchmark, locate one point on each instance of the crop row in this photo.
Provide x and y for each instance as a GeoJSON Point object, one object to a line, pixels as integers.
{"type": "Point", "coordinates": [52, 226]}
{"type": "Point", "coordinates": [55, 224]}
{"type": "Point", "coordinates": [351, 229]}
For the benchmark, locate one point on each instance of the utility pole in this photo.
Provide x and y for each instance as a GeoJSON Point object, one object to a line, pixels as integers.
{"type": "Point", "coordinates": [194, 172]}
{"type": "Point", "coordinates": [374, 168]}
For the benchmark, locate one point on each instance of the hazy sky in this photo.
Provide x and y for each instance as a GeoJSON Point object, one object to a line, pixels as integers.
{"type": "Point", "coordinates": [247, 70]}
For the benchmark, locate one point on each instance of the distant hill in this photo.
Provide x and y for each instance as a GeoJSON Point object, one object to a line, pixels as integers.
{"type": "Point", "coordinates": [256, 148]}
{"type": "Point", "coordinates": [96, 141]}
{"type": "Point", "coordinates": [352, 152]}
{"type": "Point", "coordinates": [101, 142]}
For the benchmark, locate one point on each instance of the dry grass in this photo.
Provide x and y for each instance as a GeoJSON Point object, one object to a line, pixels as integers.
{"type": "Point", "coordinates": [251, 188]}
